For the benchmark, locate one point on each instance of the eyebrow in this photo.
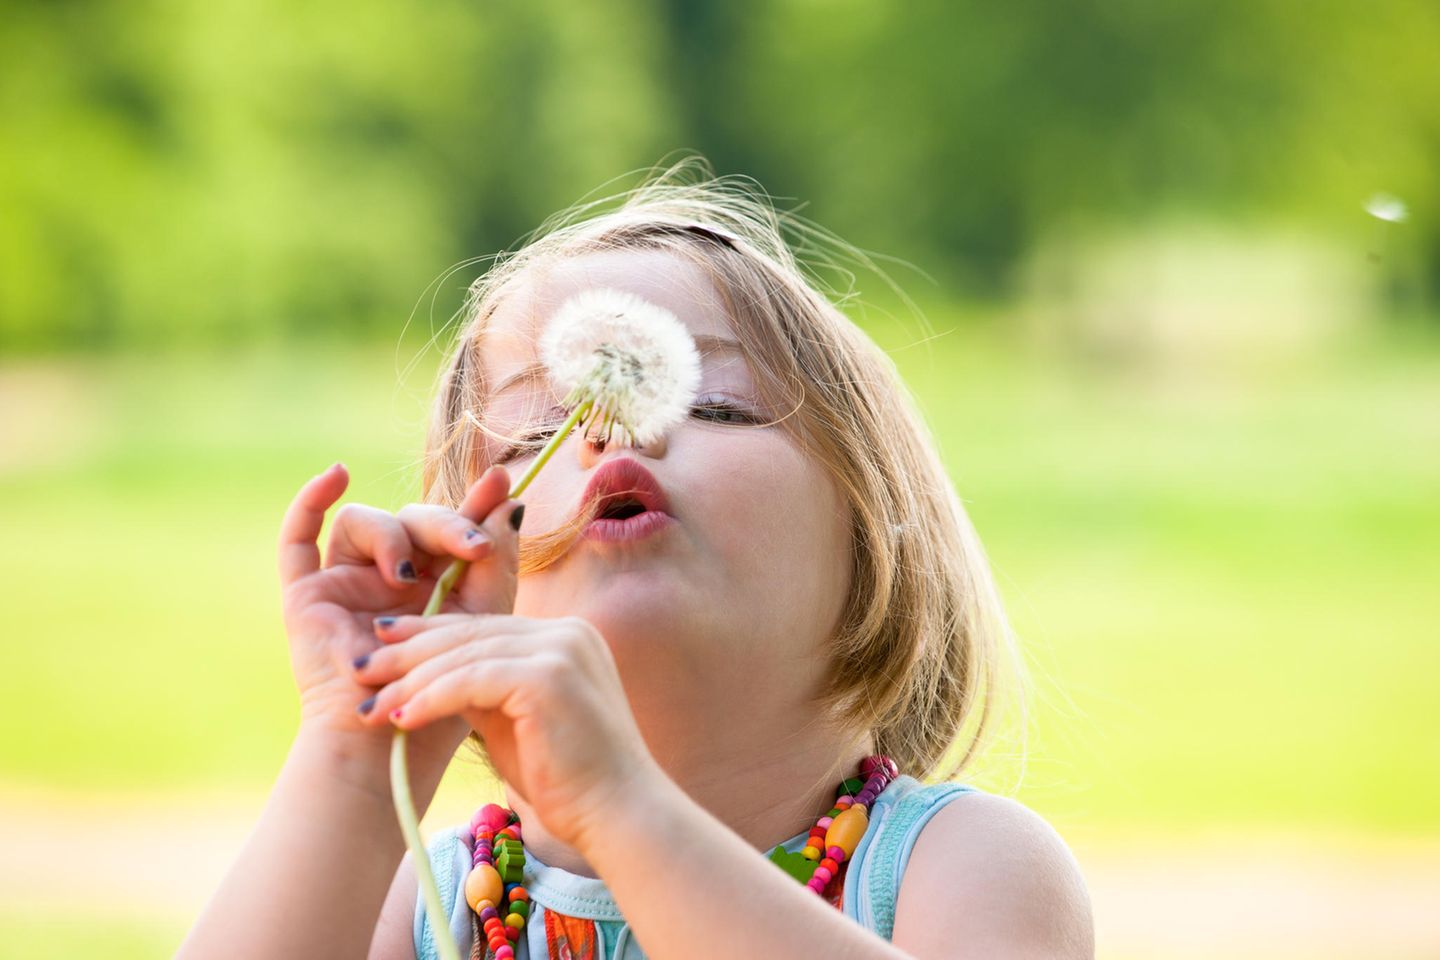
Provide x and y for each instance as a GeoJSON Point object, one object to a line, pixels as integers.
{"type": "Point", "coordinates": [708, 343]}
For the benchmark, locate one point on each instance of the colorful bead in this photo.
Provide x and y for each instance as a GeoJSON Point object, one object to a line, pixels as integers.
{"type": "Point", "coordinates": [498, 853]}
{"type": "Point", "coordinates": [847, 829]}
{"type": "Point", "coordinates": [483, 883]}
{"type": "Point", "coordinates": [792, 863]}
{"type": "Point", "coordinates": [491, 817]}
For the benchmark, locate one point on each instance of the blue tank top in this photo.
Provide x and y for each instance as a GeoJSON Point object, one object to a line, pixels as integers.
{"type": "Point", "coordinates": [872, 881]}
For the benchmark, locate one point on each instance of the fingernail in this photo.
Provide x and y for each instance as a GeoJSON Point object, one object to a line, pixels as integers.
{"type": "Point", "coordinates": [516, 516]}
{"type": "Point", "coordinates": [366, 705]}
{"type": "Point", "coordinates": [474, 536]}
{"type": "Point", "coordinates": [384, 623]}
{"type": "Point", "coordinates": [359, 662]}
{"type": "Point", "coordinates": [406, 571]}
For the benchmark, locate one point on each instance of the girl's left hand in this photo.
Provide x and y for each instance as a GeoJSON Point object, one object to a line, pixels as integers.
{"type": "Point", "coordinates": [544, 695]}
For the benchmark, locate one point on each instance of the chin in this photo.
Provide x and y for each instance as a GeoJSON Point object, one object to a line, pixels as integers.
{"type": "Point", "coordinates": [625, 604]}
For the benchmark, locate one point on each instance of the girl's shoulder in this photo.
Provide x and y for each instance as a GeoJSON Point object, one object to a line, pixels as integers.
{"type": "Point", "coordinates": [989, 870]}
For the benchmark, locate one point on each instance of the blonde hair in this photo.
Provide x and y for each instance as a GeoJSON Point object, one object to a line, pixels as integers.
{"type": "Point", "coordinates": [922, 643]}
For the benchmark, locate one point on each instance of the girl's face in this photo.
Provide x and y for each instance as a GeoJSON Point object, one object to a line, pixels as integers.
{"type": "Point", "coordinates": [718, 622]}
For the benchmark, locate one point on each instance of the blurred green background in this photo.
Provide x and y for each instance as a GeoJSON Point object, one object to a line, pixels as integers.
{"type": "Point", "coordinates": [1179, 271]}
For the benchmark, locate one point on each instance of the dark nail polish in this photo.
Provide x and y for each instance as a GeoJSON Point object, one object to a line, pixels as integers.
{"type": "Point", "coordinates": [367, 705]}
{"type": "Point", "coordinates": [384, 623]}
{"type": "Point", "coordinates": [359, 662]}
{"type": "Point", "coordinates": [473, 535]}
{"type": "Point", "coordinates": [406, 571]}
{"type": "Point", "coordinates": [516, 516]}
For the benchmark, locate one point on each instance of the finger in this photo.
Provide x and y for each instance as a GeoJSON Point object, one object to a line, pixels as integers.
{"type": "Point", "coordinates": [440, 531]}
{"type": "Point", "coordinates": [485, 494]}
{"type": "Point", "coordinates": [480, 685]}
{"type": "Point", "coordinates": [364, 535]}
{"type": "Point", "coordinates": [418, 658]}
{"type": "Point", "coordinates": [397, 693]}
{"type": "Point", "coordinates": [393, 629]}
{"type": "Point", "coordinates": [491, 584]}
{"type": "Point", "coordinates": [298, 553]}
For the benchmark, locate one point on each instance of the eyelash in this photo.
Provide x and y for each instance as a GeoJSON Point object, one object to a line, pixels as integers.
{"type": "Point", "coordinates": [706, 410]}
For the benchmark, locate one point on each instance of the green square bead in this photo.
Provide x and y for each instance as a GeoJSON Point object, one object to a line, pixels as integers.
{"type": "Point", "coordinates": [852, 786]}
{"type": "Point", "coordinates": [510, 861]}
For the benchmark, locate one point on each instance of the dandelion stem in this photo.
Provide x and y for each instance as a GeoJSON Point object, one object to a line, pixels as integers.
{"type": "Point", "coordinates": [456, 570]}
{"type": "Point", "coordinates": [410, 826]}
{"type": "Point", "coordinates": [399, 772]}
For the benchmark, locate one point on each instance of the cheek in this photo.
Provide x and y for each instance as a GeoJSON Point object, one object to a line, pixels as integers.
{"type": "Point", "coordinates": [778, 515]}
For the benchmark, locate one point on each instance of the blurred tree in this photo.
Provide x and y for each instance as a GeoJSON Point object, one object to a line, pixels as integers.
{"type": "Point", "coordinates": [205, 173]}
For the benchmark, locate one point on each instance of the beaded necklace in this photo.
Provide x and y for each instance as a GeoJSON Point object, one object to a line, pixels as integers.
{"type": "Point", "coordinates": [498, 859]}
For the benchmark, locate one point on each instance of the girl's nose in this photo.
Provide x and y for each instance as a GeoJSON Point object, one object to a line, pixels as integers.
{"type": "Point", "coordinates": [592, 451]}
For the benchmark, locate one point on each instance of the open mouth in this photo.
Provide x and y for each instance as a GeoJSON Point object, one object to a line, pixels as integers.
{"type": "Point", "coordinates": [631, 503]}
{"type": "Point", "coordinates": [620, 508]}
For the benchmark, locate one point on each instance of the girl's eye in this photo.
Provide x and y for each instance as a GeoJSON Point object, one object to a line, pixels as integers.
{"type": "Point", "coordinates": [720, 410]}
{"type": "Point", "coordinates": [526, 445]}
{"type": "Point", "coordinates": [533, 441]}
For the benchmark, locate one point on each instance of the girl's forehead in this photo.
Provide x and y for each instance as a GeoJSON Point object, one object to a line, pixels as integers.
{"type": "Point", "coordinates": [665, 279]}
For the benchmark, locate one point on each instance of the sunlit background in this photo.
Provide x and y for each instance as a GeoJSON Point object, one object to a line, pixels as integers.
{"type": "Point", "coordinates": [1177, 267]}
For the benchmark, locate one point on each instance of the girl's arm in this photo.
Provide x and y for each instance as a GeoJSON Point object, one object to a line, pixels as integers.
{"type": "Point", "coordinates": [312, 877]}
{"type": "Point", "coordinates": [992, 881]}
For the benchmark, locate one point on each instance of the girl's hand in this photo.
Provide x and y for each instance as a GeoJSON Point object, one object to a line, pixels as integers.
{"type": "Point", "coordinates": [544, 695]}
{"type": "Point", "coordinates": [378, 564]}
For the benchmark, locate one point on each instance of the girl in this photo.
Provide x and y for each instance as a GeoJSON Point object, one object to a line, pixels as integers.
{"type": "Point", "coordinates": [786, 591]}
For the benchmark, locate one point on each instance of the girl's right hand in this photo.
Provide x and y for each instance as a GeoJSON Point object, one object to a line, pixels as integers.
{"type": "Point", "coordinates": [380, 564]}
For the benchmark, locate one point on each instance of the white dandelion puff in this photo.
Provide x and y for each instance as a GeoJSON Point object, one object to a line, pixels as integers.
{"type": "Point", "coordinates": [632, 361]}
{"type": "Point", "coordinates": [1385, 207]}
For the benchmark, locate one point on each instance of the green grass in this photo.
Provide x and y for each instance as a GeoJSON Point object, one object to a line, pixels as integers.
{"type": "Point", "coordinates": [76, 935]}
{"type": "Point", "coordinates": [1223, 584]}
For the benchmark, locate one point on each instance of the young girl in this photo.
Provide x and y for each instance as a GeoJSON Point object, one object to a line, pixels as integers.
{"type": "Point", "coordinates": [784, 593]}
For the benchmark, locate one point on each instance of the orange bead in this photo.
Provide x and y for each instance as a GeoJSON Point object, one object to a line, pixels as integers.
{"type": "Point", "coordinates": [846, 830]}
{"type": "Point", "coordinates": [483, 883]}
{"type": "Point", "coordinates": [519, 894]}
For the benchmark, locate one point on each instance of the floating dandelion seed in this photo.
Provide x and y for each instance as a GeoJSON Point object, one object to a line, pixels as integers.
{"type": "Point", "coordinates": [1385, 207]}
{"type": "Point", "coordinates": [628, 367]}
{"type": "Point", "coordinates": [1388, 209]}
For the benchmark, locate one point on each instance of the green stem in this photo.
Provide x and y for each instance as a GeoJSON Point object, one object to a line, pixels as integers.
{"type": "Point", "coordinates": [457, 568]}
{"type": "Point", "coordinates": [399, 774]}
{"type": "Point", "coordinates": [410, 826]}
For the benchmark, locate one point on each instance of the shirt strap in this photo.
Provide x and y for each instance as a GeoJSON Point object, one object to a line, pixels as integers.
{"type": "Point", "coordinates": [889, 853]}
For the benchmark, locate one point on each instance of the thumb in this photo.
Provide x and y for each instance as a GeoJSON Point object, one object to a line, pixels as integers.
{"type": "Point", "coordinates": [485, 494]}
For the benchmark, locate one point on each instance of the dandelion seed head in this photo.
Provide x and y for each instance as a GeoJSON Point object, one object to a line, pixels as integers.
{"type": "Point", "coordinates": [632, 359]}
